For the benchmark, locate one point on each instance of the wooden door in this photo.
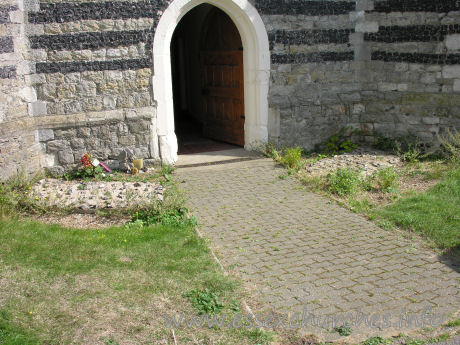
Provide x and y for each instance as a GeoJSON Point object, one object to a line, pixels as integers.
{"type": "Point", "coordinates": [222, 80]}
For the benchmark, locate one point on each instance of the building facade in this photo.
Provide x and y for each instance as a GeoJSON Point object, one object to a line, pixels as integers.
{"type": "Point", "coordinates": [101, 76]}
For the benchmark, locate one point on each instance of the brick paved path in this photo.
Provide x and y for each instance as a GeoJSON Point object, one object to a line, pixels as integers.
{"type": "Point", "coordinates": [299, 249]}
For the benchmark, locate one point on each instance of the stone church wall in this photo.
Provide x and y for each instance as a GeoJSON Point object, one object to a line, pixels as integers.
{"type": "Point", "coordinates": [76, 76]}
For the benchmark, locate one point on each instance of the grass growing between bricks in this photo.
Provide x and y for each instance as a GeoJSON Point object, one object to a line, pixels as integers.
{"type": "Point", "coordinates": [61, 286]}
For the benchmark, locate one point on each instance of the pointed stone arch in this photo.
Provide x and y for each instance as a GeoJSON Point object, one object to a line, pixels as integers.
{"type": "Point", "coordinates": [256, 57]}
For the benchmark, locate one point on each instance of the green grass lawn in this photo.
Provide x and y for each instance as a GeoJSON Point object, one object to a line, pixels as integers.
{"type": "Point", "coordinates": [113, 286]}
{"type": "Point", "coordinates": [434, 214]}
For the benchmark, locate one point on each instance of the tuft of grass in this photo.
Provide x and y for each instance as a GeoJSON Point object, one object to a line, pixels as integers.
{"type": "Point", "coordinates": [292, 157]}
{"type": "Point", "coordinates": [433, 214]}
{"type": "Point", "coordinates": [15, 195]}
{"type": "Point", "coordinates": [344, 182]}
{"type": "Point", "coordinates": [387, 179]}
{"type": "Point", "coordinates": [453, 323]}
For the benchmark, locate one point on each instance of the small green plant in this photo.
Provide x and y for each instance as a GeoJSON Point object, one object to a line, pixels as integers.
{"type": "Point", "coordinates": [269, 150]}
{"type": "Point", "coordinates": [378, 340]}
{"type": "Point", "coordinates": [339, 144]}
{"type": "Point", "coordinates": [387, 179]}
{"type": "Point", "coordinates": [292, 157]}
{"type": "Point", "coordinates": [383, 143]}
{"type": "Point", "coordinates": [111, 341]}
{"type": "Point", "coordinates": [206, 301]}
{"type": "Point", "coordinates": [450, 144]}
{"type": "Point", "coordinates": [86, 170]}
{"type": "Point", "coordinates": [344, 331]}
{"type": "Point", "coordinates": [344, 181]}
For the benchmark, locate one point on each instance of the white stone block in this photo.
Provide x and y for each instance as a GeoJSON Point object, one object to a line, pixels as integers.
{"type": "Point", "coordinates": [17, 17]}
{"type": "Point", "coordinates": [457, 85]}
{"type": "Point", "coordinates": [37, 109]}
{"type": "Point", "coordinates": [28, 94]}
{"type": "Point", "coordinates": [453, 42]}
{"type": "Point", "coordinates": [402, 87]}
{"type": "Point", "coordinates": [451, 71]}
{"type": "Point", "coordinates": [388, 87]}
{"type": "Point", "coordinates": [357, 16]}
{"type": "Point", "coordinates": [44, 135]}
{"type": "Point", "coordinates": [367, 27]}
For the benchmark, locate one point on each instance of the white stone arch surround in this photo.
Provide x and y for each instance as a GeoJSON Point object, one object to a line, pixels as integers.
{"type": "Point", "coordinates": [256, 58]}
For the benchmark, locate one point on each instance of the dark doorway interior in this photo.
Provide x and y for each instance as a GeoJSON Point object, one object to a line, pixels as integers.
{"type": "Point", "coordinates": [200, 120]}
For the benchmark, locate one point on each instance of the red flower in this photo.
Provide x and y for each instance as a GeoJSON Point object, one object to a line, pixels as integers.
{"type": "Point", "coordinates": [86, 160]}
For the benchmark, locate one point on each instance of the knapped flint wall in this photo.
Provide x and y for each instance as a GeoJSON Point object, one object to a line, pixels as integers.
{"type": "Point", "coordinates": [390, 66]}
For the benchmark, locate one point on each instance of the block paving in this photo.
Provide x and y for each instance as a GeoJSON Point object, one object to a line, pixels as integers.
{"type": "Point", "coordinates": [300, 250]}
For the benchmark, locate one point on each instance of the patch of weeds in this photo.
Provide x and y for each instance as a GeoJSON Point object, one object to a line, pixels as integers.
{"type": "Point", "coordinates": [411, 341]}
{"type": "Point", "coordinates": [411, 155]}
{"type": "Point", "coordinates": [344, 181]}
{"type": "Point", "coordinates": [339, 143]}
{"type": "Point", "coordinates": [378, 340]}
{"type": "Point", "coordinates": [344, 331]}
{"type": "Point", "coordinates": [166, 171]}
{"type": "Point", "coordinates": [169, 211]}
{"type": "Point", "coordinates": [259, 336]}
{"type": "Point", "coordinates": [450, 145]}
{"type": "Point", "coordinates": [292, 157]}
{"type": "Point", "coordinates": [439, 338]}
{"type": "Point", "coordinates": [453, 323]}
{"type": "Point", "coordinates": [15, 195]}
{"type": "Point", "coordinates": [383, 143]}
{"type": "Point", "coordinates": [387, 179]}
{"type": "Point", "coordinates": [314, 183]}
{"type": "Point", "coordinates": [360, 205]}
{"type": "Point", "coordinates": [282, 177]}
{"type": "Point", "coordinates": [234, 306]}
{"type": "Point", "coordinates": [205, 301]}
{"type": "Point", "coordinates": [269, 150]}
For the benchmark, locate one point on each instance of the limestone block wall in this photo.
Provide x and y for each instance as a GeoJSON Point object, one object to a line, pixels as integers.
{"type": "Point", "coordinates": [18, 148]}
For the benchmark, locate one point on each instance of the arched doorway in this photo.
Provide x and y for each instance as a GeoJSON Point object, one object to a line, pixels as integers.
{"type": "Point", "coordinates": [256, 71]}
{"type": "Point", "coordinates": [208, 81]}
